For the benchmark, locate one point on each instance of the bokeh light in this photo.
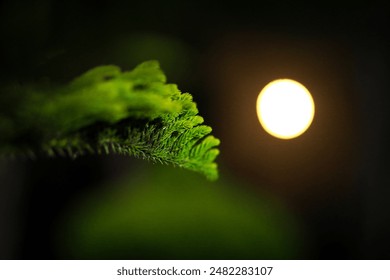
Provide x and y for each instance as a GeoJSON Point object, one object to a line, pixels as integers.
{"type": "Point", "coordinates": [285, 108]}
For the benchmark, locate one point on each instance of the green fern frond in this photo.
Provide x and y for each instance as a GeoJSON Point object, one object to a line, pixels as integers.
{"type": "Point", "coordinates": [105, 110]}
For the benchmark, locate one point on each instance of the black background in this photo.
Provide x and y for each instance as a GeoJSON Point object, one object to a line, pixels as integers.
{"type": "Point", "coordinates": [338, 49]}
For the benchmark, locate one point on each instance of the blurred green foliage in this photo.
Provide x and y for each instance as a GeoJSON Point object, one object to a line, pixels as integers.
{"type": "Point", "coordinates": [105, 110]}
{"type": "Point", "coordinates": [175, 57]}
{"type": "Point", "coordinates": [166, 213]}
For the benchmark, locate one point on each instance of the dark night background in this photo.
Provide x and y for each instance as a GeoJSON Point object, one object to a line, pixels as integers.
{"type": "Point", "coordinates": [333, 179]}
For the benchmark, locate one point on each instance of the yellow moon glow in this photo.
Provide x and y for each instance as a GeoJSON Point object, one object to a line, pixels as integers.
{"type": "Point", "coordinates": [285, 108]}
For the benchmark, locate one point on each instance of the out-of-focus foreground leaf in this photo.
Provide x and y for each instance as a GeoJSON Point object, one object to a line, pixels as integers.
{"type": "Point", "coordinates": [165, 213]}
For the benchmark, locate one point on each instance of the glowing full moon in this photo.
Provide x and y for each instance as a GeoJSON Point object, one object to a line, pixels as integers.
{"type": "Point", "coordinates": [285, 108]}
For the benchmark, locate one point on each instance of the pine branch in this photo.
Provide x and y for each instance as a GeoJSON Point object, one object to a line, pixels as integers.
{"type": "Point", "coordinates": [105, 110]}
